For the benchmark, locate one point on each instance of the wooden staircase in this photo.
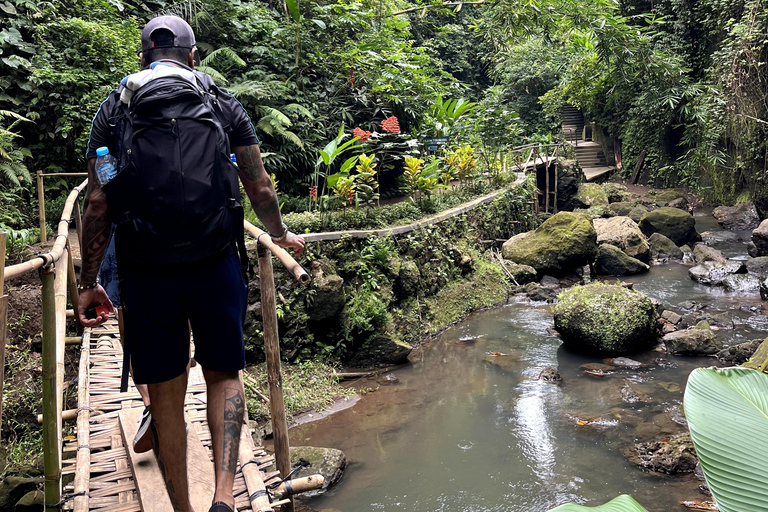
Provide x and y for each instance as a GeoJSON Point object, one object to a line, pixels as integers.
{"type": "Point", "coordinates": [589, 154]}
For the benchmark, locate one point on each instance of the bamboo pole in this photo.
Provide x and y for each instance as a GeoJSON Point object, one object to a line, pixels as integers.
{"type": "Point", "coordinates": [557, 164]}
{"type": "Point", "coordinates": [58, 245]}
{"type": "Point", "coordinates": [546, 179]}
{"type": "Point", "coordinates": [78, 218]}
{"type": "Point", "coordinates": [3, 319]}
{"type": "Point", "coordinates": [51, 410]}
{"type": "Point", "coordinates": [286, 259]}
{"type": "Point", "coordinates": [298, 486]}
{"type": "Point", "coordinates": [272, 352]}
{"type": "Point", "coordinates": [253, 482]}
{"type": "Point", "coordinates": [83, 471]}
{"type": "Point", "coordinates": [74, 297]}
{"type": "Point", "coordinates": [41, 207]}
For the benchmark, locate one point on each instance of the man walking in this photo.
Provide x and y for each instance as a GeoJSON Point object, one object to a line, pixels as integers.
{"type": "Point", "coordinates": [175, 200]}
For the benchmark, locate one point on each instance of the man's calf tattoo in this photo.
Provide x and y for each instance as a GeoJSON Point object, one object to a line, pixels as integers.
{"type": "Point", "coordinates": [234, 414]}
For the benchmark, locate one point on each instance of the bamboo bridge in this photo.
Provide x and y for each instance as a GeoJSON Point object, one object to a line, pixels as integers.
{"type": "Point", "coordinates": [97, 469]}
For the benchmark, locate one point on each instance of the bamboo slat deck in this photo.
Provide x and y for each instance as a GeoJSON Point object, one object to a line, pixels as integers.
{"type": "Point", "coordinates": [111, 487]}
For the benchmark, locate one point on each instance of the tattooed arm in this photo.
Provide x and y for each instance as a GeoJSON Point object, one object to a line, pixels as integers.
{"type": "Point", "coordinates": [96, 232]}
{"type": "Point", "coordinates": [258, 186]}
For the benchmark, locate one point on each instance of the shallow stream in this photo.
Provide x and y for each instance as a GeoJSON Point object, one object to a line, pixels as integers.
{"type": "Point", "coordinates": [461, 429]}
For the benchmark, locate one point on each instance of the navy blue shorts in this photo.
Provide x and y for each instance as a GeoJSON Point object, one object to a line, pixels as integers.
{"type": "Point", "coordinates": [162, 302]}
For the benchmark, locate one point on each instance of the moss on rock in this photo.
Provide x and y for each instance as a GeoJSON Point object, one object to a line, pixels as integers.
{"type": "Point", "coordinates": [562, 243]}
{"type": "Point", "coordinates": [591, 194]}
{"type": "Point", "coordinates": [605, 319]}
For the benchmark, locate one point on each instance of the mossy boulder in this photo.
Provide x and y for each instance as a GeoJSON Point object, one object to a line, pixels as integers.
{"type": "Point", "coordinates": [564, 242]}
{"type": "Point", "coordinates": [329, 298]}
{"type": "Point", "coordinates": [523, 274]}
{"type": "Point", "coordinates": [615, 192]}
{"type": "Point", "coordinates": [382, 348]}
{"type": "Point", "coordinates": [328, 462]}
{"type": "Point", "coordinates": [590, 194]}
{"type": "Point", "coordinates": [408, 279]}
{"type": "Point", "coordinates": [605, 319]}
{"type": "Point", "coordinates": [677, 225]}
{"type": "Point", "coordinates": [637, 212]}
{"type": "Point", "coordinates": [622, 208]}
{"type": "Point", "coordinates": [13, 488]}
{"type": "Point", "coordinates": [624, 233]}
{"type": "Point", "coordinates": [33, 501]}
{"type": "Point", "coordinates": [662, 248]}
{"type": "Point", "coordinates": [664, 197]}
{"type": "Point", "coordinates": [612, 261]}
{"type": "Point", "coordinates": [699, 340]}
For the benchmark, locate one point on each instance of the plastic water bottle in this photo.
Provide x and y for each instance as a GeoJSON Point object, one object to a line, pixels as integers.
{"type": "Point", "coordinates": [105, 165]}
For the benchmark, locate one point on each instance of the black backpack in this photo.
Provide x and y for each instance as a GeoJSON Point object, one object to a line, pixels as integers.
{"type": "Point", "coordinates": [176, 195]}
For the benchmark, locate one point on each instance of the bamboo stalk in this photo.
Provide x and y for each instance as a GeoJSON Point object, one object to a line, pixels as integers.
{"type": "Point", "coordinates": [253, 481]}
{"type": "Point", "coordinates": [74, 297]}
{"type": "Point", "coordinates": [78, 218]}
{"type": "Point", "coordinates": [546, 182]}
{"type": "Point", "coordinates": [51, 422]}
{"type": "Point", "coordinates": [59, 244]}
{"type": "Point", "coordinates": [41, 207]}
{"type": "Point", "coordinates": [3, 319]}
{"type": "Point", "coordinates": [299, 485]}
{"type": "Point", "coordinates": [286, 259]}
{"type": "Point", "coordinates": [272, 352]}
{"type": "Point", "coordinates": [83, 471]}
{"type": "Point", "coordinates": [557, 161]}
{"type": "Point", "coordinates": [70, 415]}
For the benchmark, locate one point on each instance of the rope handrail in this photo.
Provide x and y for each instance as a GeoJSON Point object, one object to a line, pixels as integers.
{"type": "Point", "coordinates": [56, 251]}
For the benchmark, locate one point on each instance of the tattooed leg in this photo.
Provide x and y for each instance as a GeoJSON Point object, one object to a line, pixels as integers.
{"type": "Point", "coordinates": [226, 413]}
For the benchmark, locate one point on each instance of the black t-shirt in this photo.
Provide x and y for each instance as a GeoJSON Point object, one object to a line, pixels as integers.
{"type": "Point", "coordinates": [242, 133]}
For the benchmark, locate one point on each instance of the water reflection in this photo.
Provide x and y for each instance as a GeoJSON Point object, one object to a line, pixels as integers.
{"type": "Point", "coordinates": [465, 430]}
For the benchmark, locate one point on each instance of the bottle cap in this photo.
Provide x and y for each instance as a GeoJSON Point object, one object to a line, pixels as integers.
{"type": "Point", "coordinates": [104, 150]}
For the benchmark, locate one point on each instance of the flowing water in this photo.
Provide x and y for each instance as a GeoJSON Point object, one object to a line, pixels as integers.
{"type": "Point", "coordinates": [462, 429]}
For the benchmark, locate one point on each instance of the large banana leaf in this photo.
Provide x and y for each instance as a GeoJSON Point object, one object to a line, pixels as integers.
{"type": "Point", "coordinates": [623, 503]}
{"type": "Point", "coordinates": [727, 412]}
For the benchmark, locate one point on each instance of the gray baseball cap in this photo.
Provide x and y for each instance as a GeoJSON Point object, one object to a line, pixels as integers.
{"type": "Point", "coordinates": [183, 36]}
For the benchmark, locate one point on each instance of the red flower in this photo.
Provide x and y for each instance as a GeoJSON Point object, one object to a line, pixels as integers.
{"type": "Point", "coordinates": [313, 192]}
{"type": "Point", "coordinates": [361, 134]}
{"type": "Point", "coordinates": [390, 125]}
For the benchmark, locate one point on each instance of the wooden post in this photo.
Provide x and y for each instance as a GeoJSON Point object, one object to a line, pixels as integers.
{"type": "Point", "coordinates": [41, 207]}
{"type": "Point", "coordinates": [3, 319]}
{"type": "Point", "coordinates": [74, 297]}
{"type": "Point", "coordinates": [638, 167]}
{"type": "Point", "coordinates": [272, 352]}
{"type": "Point", "coordinates": [557, 171]}
{"type": "Point", "coordinates": [51, 409]}
{"type": "Point", "coordinates": [546, 179]}
{"type": "Point", "coordinates": [78, 225]}
{"type": "Point", "coordinates": [83, 470]}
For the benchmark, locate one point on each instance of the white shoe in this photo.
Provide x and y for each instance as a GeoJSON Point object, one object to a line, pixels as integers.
{"type": "Point", "coordinates": [143, 440]}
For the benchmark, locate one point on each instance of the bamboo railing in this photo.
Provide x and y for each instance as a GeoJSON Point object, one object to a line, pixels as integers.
{"type": "Point", "coordinates": [56, 272]}
{"type": "Point", "coordinates": [59, 280]}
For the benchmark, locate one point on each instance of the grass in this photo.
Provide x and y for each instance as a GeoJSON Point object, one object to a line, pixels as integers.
{"type": "Point", "coordinates": [309, 385]}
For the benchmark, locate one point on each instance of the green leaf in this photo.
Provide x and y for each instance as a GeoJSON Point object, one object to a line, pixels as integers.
{"type": "Point", "coordinates": [319, 23]}
{"type": "Point", "coordinates": [332, 179]}
{"type": "Point", "coordinates": [8, 8]}
{"type": "Point", "coordinates": [348, 164]}
{"type": "Point", "coordinates": [727, 413]}
{"type": "Point", "coordinates": [623, 503]}
{"type": "Point", "coordinates": [293, 8]}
